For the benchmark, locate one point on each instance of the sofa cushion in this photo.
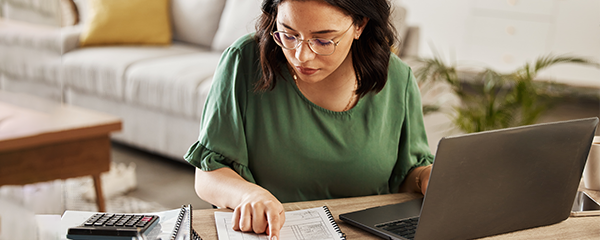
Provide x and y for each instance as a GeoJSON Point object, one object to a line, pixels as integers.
{"type": "Point", "coordinates": [101, 70]}
{"type": "Point", "coordinates": [238, 19]}
{"type": "Point", "coordinates": [127, 22]}
{"type": "Point", "coordinates": [29, 51]}
{"type": "Point", "coordinates": [23, 63]}
{"type": "Point", "coordinates": [196, 21]}
{"type": "Point", "coordinates": [172, 84]}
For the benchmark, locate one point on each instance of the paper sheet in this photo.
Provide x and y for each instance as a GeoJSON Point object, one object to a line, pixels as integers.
{"type": "Point", "coordinates": [313, 223]}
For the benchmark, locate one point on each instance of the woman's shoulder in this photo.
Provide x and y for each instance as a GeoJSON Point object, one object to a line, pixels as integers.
{"type": "Point", "coordinates": [241, 55]}
{"type": "Point", "coordinates": [397, 66]}
{"type": "Point", "coordinates": [399, 73]}
{"type": "Point", "coordinates": [244, 43]}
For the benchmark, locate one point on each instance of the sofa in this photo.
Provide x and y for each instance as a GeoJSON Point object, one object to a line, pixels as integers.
{"type": "Point", "coordinates": [157, 90]}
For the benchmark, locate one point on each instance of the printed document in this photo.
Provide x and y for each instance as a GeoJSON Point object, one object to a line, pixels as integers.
{"type": "Point", "coordinates": [314, 223]}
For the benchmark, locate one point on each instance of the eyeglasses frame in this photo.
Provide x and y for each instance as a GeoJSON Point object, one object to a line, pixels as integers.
{"type": "Point", "coordinates": [300, 41]}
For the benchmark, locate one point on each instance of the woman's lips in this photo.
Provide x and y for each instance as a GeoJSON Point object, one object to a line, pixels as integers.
{"type": "Point", "coordinates": [306, 71]}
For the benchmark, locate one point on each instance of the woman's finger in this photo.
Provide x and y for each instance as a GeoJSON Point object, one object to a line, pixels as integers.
{"type": "Point", "coordinates": [259, 221]}
{"type": "Point", "coordinates": [244, 218]}
{"type": "Point", "coordinates": [236, 219]}
{"type": "Point", "coordinates": [276, 220]}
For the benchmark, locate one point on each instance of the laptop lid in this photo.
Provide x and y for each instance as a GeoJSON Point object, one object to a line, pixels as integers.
{"type": "Point", "coordinates": [500, 181]}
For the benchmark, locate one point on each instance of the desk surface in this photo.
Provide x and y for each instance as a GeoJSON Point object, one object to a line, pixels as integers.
{"type": "Point", "coordinates": [572, 228]}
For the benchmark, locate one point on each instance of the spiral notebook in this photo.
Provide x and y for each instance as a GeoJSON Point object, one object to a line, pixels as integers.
{"type": "Point", "coordinates": [312, 223]}
{"type": "Point", "coordinates": [183, 229]}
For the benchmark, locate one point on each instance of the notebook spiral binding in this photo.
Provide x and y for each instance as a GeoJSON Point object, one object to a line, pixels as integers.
{"type": "Point", "coordinates": [332, 221]}
{"type": "Point", "coordinates": [182, 212]}
{"type": "Point", "coordinates": [178, 223]}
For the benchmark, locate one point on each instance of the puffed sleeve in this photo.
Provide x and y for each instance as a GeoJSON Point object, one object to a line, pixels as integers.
{"type": "Point", "coordinates": [413, 149]}
{"type": "Point", "coordinates": [222, 140]}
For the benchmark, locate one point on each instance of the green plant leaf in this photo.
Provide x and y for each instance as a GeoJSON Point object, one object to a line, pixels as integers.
{"type": "Point", "coordinates": [494, 100]}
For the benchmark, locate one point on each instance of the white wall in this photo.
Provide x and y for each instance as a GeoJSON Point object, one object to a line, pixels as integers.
{"type": "Point", "coordinates": [441, 23]}
{"type": "Point", "coordinates": [505, 34]}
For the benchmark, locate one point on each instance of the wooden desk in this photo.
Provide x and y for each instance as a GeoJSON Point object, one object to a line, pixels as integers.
{"type": "Point", "coordinates": [572, 228]}
{"type": "Point", "coordinates": [41, 141]}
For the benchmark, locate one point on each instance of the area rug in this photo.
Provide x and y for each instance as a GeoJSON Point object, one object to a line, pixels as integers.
{"type": "Point", "coordinates": [54, 197]}
{"type": "Point", "coordinates": [119, 204]}
{"type": "Point", "coordinates": [79, 195]}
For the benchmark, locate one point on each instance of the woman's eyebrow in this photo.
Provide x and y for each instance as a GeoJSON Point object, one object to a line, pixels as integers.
{"type": "Point", "coordinates": [317, 32]}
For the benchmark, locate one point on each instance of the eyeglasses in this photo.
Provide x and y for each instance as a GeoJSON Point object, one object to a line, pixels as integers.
{"type": "Point", "coordinates": [321, 46]}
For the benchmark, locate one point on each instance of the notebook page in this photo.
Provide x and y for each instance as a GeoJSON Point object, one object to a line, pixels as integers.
{"type": "Point", "coordinates": [313, 223]}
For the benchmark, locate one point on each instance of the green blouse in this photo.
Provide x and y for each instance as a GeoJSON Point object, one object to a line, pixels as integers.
{"type": "Point", "coordinates": [299, 151]}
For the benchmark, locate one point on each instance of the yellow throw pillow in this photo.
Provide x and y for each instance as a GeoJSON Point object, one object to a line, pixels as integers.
{"type": "Point", "coordinates": [145, 22]}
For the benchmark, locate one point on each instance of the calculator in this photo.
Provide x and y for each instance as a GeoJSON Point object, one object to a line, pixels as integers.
{"type": "Point", "coordinates": [113, 226]}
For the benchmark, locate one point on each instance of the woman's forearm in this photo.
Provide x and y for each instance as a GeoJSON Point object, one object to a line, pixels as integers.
{"type": "Point", "coordinates": [223, 187]}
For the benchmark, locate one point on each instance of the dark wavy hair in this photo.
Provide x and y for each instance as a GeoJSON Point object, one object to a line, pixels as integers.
{"type": "Point", "coordinates": [370, 53]}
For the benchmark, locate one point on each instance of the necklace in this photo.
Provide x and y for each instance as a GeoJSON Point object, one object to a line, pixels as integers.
{"type": "Point", "coordinates": [348, 106]}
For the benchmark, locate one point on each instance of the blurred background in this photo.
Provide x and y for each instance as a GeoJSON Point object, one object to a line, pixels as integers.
{"type": "Point", "coordinates": [150, 62]}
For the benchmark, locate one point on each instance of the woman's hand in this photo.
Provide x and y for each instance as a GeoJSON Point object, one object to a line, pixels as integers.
{"type": "Point", "coordinates": [255, 208]}
{"type": "Point", "coordinates": [417, 180]}
{"type": "Point", "coordinates": [259, 212]}
{"type": "Point", "coordinates": [423, 178]}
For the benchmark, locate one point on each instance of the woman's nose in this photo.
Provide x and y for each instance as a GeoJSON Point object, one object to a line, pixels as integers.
{"type": "Point", "coordinates": [304, 53]}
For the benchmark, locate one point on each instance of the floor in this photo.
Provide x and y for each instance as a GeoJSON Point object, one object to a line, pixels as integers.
{"type": "Point", "coordinates": [171, 183]}
{"type": "Point", "coordinates": [165, 181]}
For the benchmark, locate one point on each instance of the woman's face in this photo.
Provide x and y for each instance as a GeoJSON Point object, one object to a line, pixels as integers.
{"type": "Point", "coordinates": [315, 19]}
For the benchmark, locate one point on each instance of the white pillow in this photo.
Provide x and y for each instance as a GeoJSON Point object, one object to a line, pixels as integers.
{"type": "Point", "coordinates": [238, 19]}
{"type": "Point", "coordinates": [196, 21]}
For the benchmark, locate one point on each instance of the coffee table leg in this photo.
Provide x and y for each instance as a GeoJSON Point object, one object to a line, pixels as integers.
{"type": "Point", "coordinates": [99, 194]}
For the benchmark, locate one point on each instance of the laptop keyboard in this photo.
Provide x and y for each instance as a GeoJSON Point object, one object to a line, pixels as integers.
{"type": "Point", "coordinates": [404, 227]}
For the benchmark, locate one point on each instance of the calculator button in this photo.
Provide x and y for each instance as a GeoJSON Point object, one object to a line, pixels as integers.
{"type": "Point", "coordinates": [144, 221]}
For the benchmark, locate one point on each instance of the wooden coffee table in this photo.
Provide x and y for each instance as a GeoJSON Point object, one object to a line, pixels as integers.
{"type": "Point", "coordinates": [41, 140]}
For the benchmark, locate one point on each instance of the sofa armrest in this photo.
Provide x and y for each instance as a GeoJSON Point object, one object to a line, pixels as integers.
{"type": "Point", "coordinates": [70, 38]}
{"type": "Point", "coordinates": [30, 36]}
{"type": "Point", "coordinates": [410, 47]}
{"type": "Point", "coordinates": [398, 20]}
{"type": "Point", "coordinates": [408, 36]}
{"type": "Point", "coordinates": [39, 37]}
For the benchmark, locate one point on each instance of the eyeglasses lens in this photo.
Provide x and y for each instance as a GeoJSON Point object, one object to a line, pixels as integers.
{"type": "Point", "coordinates": [317, 45]}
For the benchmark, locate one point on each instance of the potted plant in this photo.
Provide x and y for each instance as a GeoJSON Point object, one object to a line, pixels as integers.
{"type": "Point", "coordinates": [493, 100]}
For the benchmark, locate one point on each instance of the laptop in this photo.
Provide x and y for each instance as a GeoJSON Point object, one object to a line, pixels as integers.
{"type": "Point", "coordinates": [492, 182]}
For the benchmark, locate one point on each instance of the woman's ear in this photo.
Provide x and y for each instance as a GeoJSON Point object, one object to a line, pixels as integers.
{"type": "Point", "coordinates": [360, 28]}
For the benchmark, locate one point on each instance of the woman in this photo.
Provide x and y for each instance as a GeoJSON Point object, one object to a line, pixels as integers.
{"type": "Point", "coordinates": [311, 106]}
